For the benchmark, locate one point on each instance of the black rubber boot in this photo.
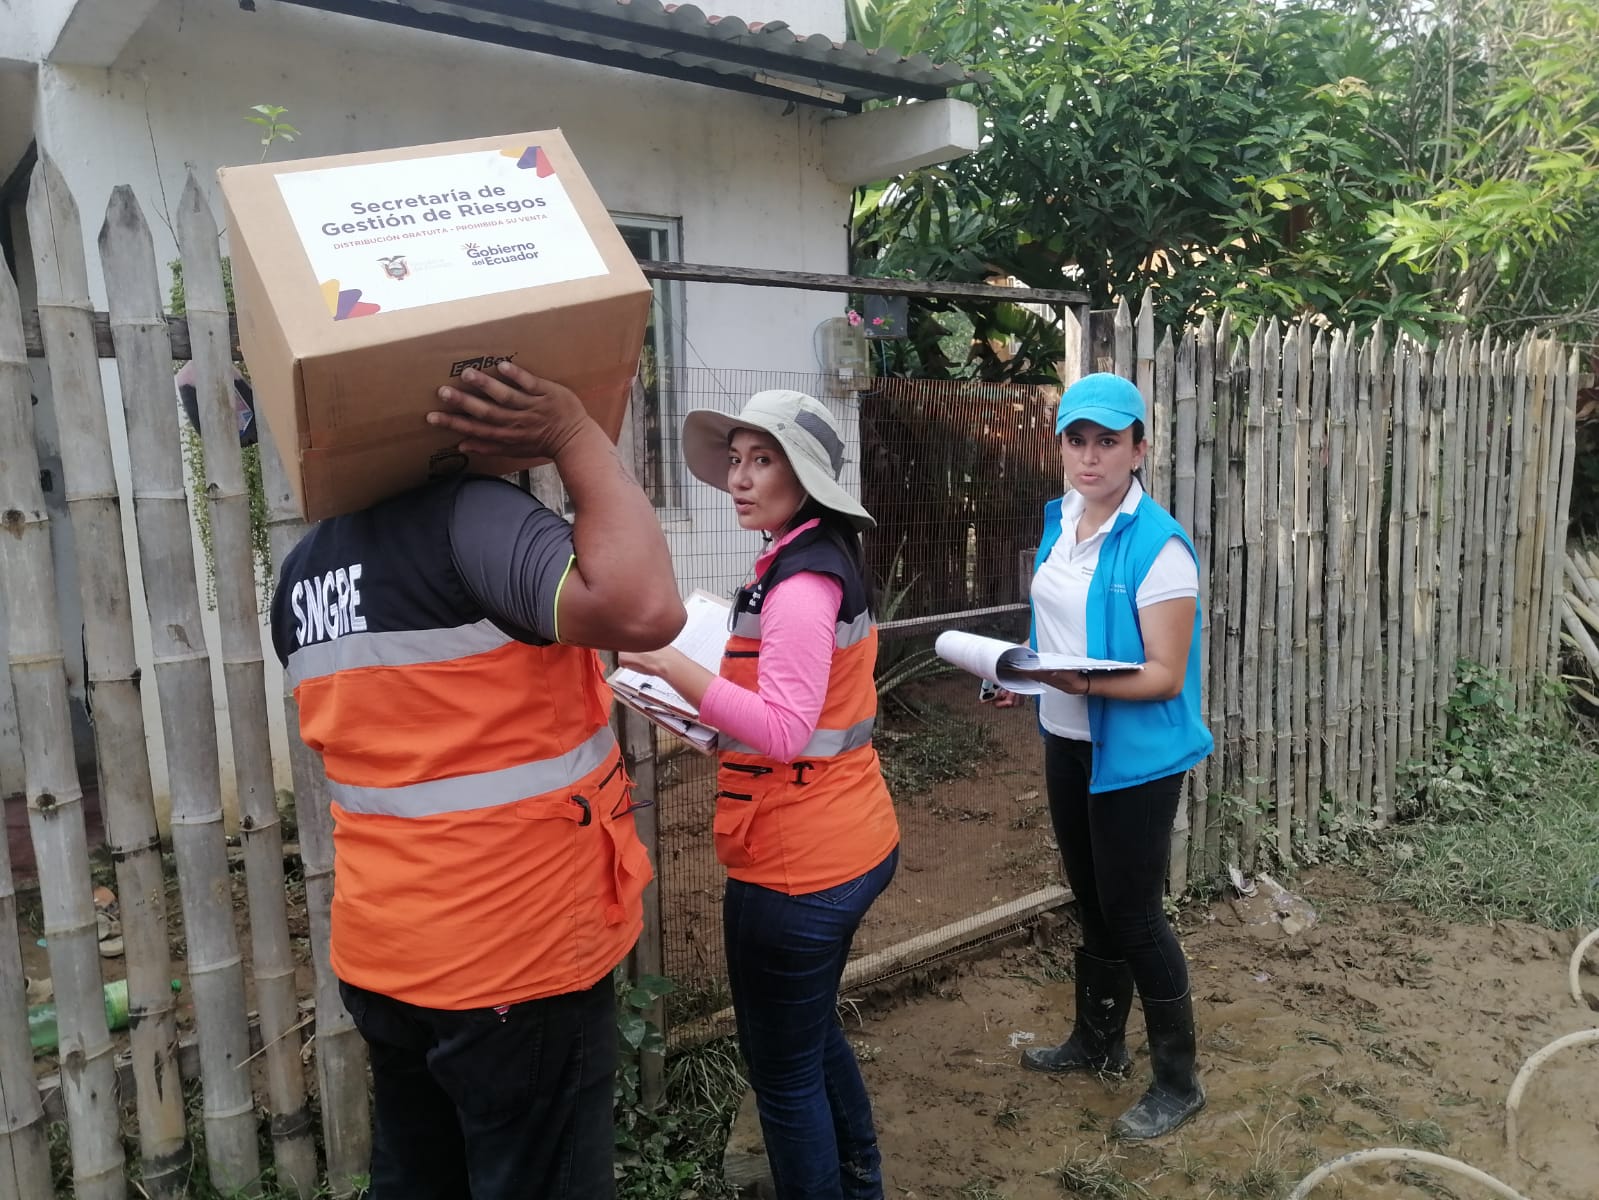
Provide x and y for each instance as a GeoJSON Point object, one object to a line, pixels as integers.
{"type": "Point", "coordinates": [1176, 1093]}
{"type": "Point", "coordinates": [1098, 1041]}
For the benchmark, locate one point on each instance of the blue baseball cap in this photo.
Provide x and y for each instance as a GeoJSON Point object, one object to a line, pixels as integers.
{"type": "Point", "coordinates": [1102, 398]}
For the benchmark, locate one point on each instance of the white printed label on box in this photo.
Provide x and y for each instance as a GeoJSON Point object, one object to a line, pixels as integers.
{"type": "Point", "coordinates": [393, 235]}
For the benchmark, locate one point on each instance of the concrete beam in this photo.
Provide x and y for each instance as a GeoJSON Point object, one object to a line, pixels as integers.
{"type": "Point", "coordinates": [89, 33]}
{"type": "Point", "coordinates": [885, 142]}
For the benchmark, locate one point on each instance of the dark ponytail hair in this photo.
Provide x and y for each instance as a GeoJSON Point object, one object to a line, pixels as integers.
{"type": "Point", "coordinates": [838, 529]}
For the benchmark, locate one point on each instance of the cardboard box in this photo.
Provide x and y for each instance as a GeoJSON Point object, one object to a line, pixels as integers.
{"type": "Point", "coordinates": [364, 282]}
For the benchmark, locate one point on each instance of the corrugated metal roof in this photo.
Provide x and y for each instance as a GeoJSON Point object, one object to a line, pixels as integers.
{"type": "Point", "coordinates": [684, 41]}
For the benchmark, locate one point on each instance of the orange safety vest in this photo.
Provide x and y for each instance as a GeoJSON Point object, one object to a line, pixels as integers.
{"type": "Point", "coordinates": [484, 851]}
{"type": "Point", "coordinates": [826, 817]}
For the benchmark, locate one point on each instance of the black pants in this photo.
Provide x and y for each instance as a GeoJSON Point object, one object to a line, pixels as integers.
{"type": "Point", "coordinates": [479, 1105]}
{"type": "Point", "coordinates": [1115, 846]}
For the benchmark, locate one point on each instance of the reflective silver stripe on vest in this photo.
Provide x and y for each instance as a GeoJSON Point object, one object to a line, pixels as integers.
{"type": "Point", "coordinates": [848, 633]}
{"type": "Point", "coordinates": [845, 633]}
{"type": "Point", "coordinates": [407, 648]}
{"type": "Point", "coordinates": [464, 793]}
{"type": "Point", "coordinates": [824, 743]}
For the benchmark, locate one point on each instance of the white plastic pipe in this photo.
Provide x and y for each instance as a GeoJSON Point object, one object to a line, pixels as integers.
{"type": "Point", "coordinates": [1403, 1154]}
{"type": "Point", "coordinates": [1576, 964]}
{"type": "Point", "coordinates": [1580, 1038]}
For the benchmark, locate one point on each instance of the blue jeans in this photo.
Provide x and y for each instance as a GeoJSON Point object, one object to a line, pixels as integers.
{"type": "Point", "coordinates": [785, 955]}
{"type": "Point", "coordinates": [489, 1105]}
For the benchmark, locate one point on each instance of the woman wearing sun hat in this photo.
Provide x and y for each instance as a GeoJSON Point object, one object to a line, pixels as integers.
{"type": "Point", "coordinates": [1116, 577]}
{"type": "Point", "coordinates": [804, 823]}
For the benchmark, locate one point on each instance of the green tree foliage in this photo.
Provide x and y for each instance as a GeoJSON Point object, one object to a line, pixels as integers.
{"type": "Point", "coordinates": [1413, 164]}
{"type": "Point", "coordinates": [1502, 217]}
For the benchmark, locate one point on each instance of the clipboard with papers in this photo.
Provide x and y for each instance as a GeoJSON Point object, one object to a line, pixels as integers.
{"type": "Point", "coordinates": [1014, 666]}
{"type": "Point", "coordinates": [702, 639]}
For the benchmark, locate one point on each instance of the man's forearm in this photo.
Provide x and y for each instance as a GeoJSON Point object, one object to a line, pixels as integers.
{"type": "Point", "coordinates": [620, 549]}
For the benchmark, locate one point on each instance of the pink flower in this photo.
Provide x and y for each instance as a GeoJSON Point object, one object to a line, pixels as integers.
{"type": "Point", "coordinates": [877, 320]}
{"type": "Point", "coordinates": [853, 317]}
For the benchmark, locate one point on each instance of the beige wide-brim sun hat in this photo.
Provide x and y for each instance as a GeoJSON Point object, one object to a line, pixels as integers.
{"type": "Point", "coordinates": [802, 426]}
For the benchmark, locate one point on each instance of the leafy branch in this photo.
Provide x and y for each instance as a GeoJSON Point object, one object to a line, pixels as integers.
{"type": "Point", "coordinates": [273, 127]}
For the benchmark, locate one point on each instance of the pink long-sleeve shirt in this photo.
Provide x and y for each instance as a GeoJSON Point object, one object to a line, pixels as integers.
{"type": "Point", "coordinates": [799, 620]}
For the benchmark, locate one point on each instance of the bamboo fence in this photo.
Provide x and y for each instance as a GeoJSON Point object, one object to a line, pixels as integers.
{"type": "Point", "coordinates": [28, 576]}
{"type": "Point", "coordinates": [1366, 513]}
{"type": "Point", "coordinates": [210, 347]}
{"type": "Point", "coordinates": [1365, 510]}
{"type": "Point", "coordinates": [55, 797]}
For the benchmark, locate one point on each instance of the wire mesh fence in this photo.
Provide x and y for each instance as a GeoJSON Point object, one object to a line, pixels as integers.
{"type": "Point", "coordinates": [956, 474]}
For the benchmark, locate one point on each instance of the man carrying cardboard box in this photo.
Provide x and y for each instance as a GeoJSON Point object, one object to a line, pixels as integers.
{"type": "Point", "coordinates": [487, 875]}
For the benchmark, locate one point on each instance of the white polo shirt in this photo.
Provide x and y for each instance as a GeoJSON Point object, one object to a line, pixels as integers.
{"type": "Point", "coordinates": [1060, 600]}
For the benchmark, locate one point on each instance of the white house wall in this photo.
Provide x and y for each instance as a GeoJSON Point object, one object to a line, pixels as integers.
{"type": "Point", "coordinates": [742, 175]}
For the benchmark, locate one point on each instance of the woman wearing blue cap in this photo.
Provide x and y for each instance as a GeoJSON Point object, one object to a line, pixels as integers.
{"type": "Point", "coordinates": [1116, 577]}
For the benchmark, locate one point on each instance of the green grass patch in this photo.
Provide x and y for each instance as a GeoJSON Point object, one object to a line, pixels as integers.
{"type": "Point", "coordinates": [942, 748]}
{"type": "Point", "coordinates": [1503, 823]}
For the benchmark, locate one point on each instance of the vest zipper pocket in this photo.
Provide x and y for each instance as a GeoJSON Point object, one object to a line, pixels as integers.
{"type": "Point", "coordinates": [748, 768]}
{"type": "Point", "coordinates": [741, 653]}
{"type": "Point", "coordinates": [745, 796]}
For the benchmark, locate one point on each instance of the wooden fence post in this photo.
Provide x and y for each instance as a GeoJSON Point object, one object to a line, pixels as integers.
{"type": "Point", "coordinates": [1226, 596]}
{"type": "Point", "coordinates": [1284, 488]}
{"type": "Point", "coordinates": [1073, 339]}
{"type": "Point", "coordinates": [341, 1054]}
{"type": "Point", "coordinates": [1251, 678]}
{"type": "Point", "coordinates": [1510, 512]}
{"type": "Point", "coordinates": [1204, 506]}
{"type": "Point", "coordinates": [1159, 472]}
{"type": "Point", "coordinates": [638, 751]}
{"type": "Point", "coordinates": [1296, 378]}
{"type": "Point", "coordinates": [1334, 741]}
{"type": "Point", "coordinates": [66, 323]}
{"type": "Point", "coordinates": [648, 956]}
{"type": "Point", "coordinates": [1497, 411]}
{"type": "Point", "coordinates": [1269, 794]}
{"type": "Point", "coordinates": [1363, 568]}
{"type": "Point", "coordinates": [144, 368]}
{"type": "Point", "coordinates": [1315, 589]}
{"type": "Point", "coordinates": [1474, 461]}
{"type": "Point", "coordinates": [1161, 415]}
{"type": "Point", "coordinates": [36, 669]}
{"type": "Point", "coordinates": [1451, 502]}
{"type": "Point", "coordinates": [206, 305]}
{"type": "Point", "coordinates": [1349, 496]}
{"type": "Point", "coordinates": [1529, 532]}
{"type": "Point", "coordinates": [1568, 451]}
{"type": "Point", "coordinates": [183, 685]}
{"type": "Point", "coordinates": [1184, 436]}
{"type": "Point", "coordinates": [1549, 569]}
{"type": "Point", "coordinates": [1409, 595]}
{"type": "Point", "coordinates": [1122, 326]}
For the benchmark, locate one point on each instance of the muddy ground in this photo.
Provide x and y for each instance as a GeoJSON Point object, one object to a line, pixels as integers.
{"type": "Point", "coordinates": [966, 844]}
{"type": "Point", "coordinates": [1375, 1027]}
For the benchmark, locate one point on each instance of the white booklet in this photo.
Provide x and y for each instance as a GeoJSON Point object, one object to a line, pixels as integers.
{"type": "Point", "coordinates": [1014, 666]}
{"type": "Point", "coordinates": [703, 638]}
